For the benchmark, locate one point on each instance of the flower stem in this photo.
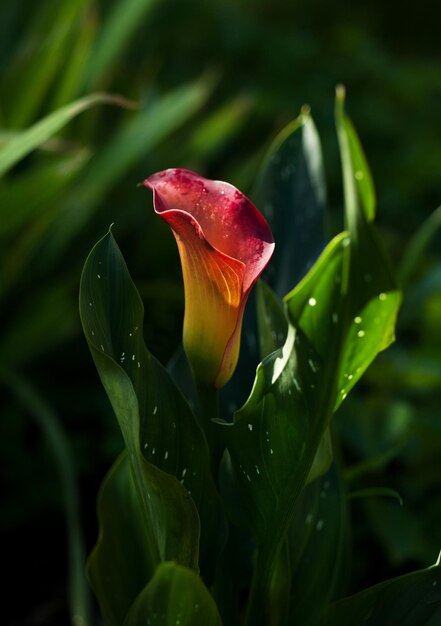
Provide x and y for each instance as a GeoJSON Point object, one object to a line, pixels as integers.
{"type": "Point", "coordinates": [208, 411]}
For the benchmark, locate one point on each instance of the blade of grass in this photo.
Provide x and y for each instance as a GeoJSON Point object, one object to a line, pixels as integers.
{"type": "Point", "coordinates": [46, 46]}
{"type": "Point", "coordinates": [21, 145]}
{"type": "Point", "coordinates": [71, 81]}
{"type": "Point", "coordinates": [115, 33]}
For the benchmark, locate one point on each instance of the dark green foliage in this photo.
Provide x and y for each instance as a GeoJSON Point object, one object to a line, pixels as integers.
{"type": "Point", "coordinates": [211, 84]}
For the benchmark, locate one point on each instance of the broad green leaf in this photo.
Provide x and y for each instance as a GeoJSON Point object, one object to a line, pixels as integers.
{"type": "Point", "coordinates": [370, 332]}
{"type": "Point", "coordinates": [290, 192]}
{"type": "Point", "coordinates": [347, 304]}
{"type": "Point", "coordinates": [158, 426]}
{"type": "Point", "coordinates": [372, 300]}
{"type": "Point", "coordinates": [175, 596]}
{"type": "Point", "coordinates": [272, 444]}
{"type": "Point", "coordinates": [315, 304]}
{"type": "Point", "coordinates": [282, 425]}
{"type": "Point", "coordinates": [24, 143]}
{"type": "Point", "coordinates": [319, 306]}
{"type": "Point", "coordinates": [272, 436]}
{"type": "Point", "coordinates": [271, 320]}
{"type": "Point", "coordinates": [316, 542]}
{"type": "Point", "coordinates": [120, 564]}
{"type": "Point", "coordinates": [411, 600]}
{"type": "Point", "coordinates": [273, 328]}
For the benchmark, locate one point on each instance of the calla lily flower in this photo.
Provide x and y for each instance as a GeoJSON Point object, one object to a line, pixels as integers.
{"type": "Point", "coordinates": [224, 245]}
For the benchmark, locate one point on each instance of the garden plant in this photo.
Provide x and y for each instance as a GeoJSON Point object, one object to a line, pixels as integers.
{"type": "Point", "coordinates": [228, 504]}
{"type": "Point", "coordinates": [303, 496]}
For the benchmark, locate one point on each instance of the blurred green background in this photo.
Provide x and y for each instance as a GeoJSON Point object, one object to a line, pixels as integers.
{"type": "Point", "coordinates": [212, 82]}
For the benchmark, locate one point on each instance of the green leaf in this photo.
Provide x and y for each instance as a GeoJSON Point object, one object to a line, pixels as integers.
{"type": "Point", "coordinates": [273, 328]}
{"type": "Point", "coordinates": [315, 304]}
{"type": "Point", "coordinates": [347, 304]}
{"type": "Point", "coordinates": [272, 444]}
{"type": "Point", "coordinates": [167, 449]}
{"type": "Point", "coordinates": [272, 435]}
{"type": "Point", "coordinates": [24, 143]}
{"type": "Point", "coordinates": [119, 566]}
{"type": "Point", "coordinates": [374, 492]}
{"type": "Point", "coordinates": [271, 320]}
{"type": "Point", "coordinates": [370, 332]}
{"type": "Point", "coordinates": [362, 174]}
{"type": "Point", "coordinates": [348, 297]}
{"type": "Point", "coordinates": [175, 596]}
{"type": "Point", "coordinates": [372, 302]}
{"type": "Point", "coordinates": [290, 192]}
{"type": "Point", "coordinates": [323, 457]}
{"type": "Point", "coordinates": [411, 600]}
